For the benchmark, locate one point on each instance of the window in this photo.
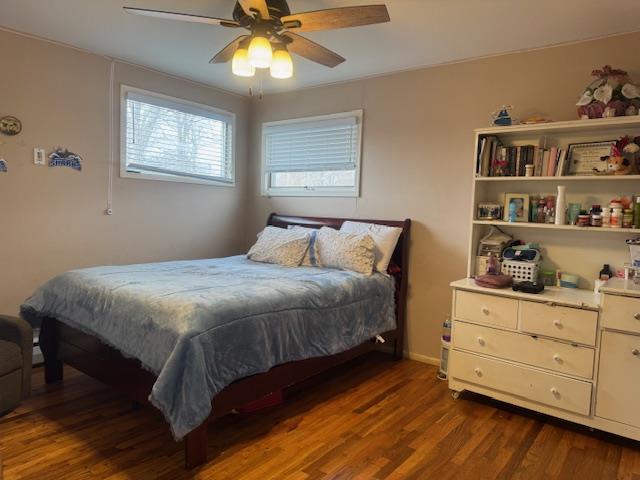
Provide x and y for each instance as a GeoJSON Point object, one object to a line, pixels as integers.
{"type": "Point", "coordinates": [317, 156]}
{"type": "Point", "coordinates": [164, 138]}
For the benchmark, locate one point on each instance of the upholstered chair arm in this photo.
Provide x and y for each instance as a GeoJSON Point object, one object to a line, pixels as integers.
{"type": "Point", "coordinates": [16, 330]}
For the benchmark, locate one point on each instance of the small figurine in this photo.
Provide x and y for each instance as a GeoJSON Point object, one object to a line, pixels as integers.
{"type": "Point", "coordinates": [622, 159]}
{"type": "Point", "coordinates": [502, 117]}
{"type": "Point", "coordinates": [617, 165]}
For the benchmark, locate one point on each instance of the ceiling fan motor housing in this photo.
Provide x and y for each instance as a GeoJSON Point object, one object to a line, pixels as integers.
{"type": "Point", "coordinates": [277, 9]}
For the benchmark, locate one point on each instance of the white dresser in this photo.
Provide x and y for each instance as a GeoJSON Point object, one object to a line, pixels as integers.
{"type": "Point", "coordinates": [568, 353]}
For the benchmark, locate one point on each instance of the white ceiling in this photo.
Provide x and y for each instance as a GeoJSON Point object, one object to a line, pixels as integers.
{"type": "Point", "coordinates": [421, 33]}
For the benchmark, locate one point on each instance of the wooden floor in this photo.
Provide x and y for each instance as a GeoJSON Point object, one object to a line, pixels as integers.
{"type": "Point", "coordinates": [375, 419]}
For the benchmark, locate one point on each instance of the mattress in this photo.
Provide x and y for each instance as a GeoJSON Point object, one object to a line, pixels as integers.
{"type": "Point", "coordinates": [200, 325]}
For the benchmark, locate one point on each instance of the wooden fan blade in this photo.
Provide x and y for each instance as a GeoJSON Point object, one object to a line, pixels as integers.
{"type": "Point", "coordinates": [227, 52]}
{"type": "Point", "coordinates": [336, 18]}
{"type": "Point", "coordinates": [184, 17]}
{"type": "Point", "coordinates": [312, 51]}
{"type": "Point", "coordinates": [250, 5]}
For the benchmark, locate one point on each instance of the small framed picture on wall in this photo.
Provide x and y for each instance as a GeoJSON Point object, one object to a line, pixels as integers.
{"type": "Point", "coordinates": [516, 207]}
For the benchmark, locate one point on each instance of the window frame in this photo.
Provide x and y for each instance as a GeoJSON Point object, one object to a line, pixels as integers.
{"type": "Point", "coordinates": [354, 192]}
{"type": "Point", "coordinates": [188, 107]}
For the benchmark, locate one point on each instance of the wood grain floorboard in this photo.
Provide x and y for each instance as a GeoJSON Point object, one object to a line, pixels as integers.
{"type": "Point", "coordinates": [372, 419]}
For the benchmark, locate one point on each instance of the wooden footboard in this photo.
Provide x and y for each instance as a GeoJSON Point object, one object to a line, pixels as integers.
{"type": "Point", "coordinates": [62, 344]}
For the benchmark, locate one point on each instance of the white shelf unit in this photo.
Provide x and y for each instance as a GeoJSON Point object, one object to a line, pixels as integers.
{"type": "Point", "coordinates": [564, 178]}
{"type": "Point", "coordinates": [578, 250]}
{"type": "Point", "coordinates": [550, 226]}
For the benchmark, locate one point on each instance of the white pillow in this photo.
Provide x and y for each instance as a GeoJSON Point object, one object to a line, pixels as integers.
{"type": "Point", "coordinates": [312, 255]}
{"type": "Point", "coordinates": [347, 251]}
{"type": "Point", "coordinates": [384, 237]}
{"type": "Point", "coordinates": [279, 245]}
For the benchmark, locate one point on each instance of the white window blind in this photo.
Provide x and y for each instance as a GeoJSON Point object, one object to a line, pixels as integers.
{"type": "Point", "coordinates": [316, 145]}
{"type": "Point", "coordinates": [168, 138]}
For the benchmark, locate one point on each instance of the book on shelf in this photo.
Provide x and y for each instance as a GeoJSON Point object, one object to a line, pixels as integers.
{"type": "Point", "coordinates": [498, 160]}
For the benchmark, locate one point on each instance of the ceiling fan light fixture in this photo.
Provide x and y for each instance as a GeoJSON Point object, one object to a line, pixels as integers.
{"type": "Point", "coordinates": [240, 64]}
{"type": "Point", "coordinates": [260, 52]}
{"type": "Point", "coordinates": [281, 64]}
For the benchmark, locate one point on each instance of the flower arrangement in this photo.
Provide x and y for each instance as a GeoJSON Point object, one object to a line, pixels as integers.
{"type": "Point", "coordinates": [611, 94]}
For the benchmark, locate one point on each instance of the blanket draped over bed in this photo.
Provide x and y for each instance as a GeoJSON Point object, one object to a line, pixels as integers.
{"type": "Point", "coordinates": [200, 325]}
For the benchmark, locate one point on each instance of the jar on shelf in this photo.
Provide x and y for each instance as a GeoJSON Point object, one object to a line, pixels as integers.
{"type": "Point", "coordinates": [606, 218]}
{"type": "Point", "coordinates": [627, 218]}
{"type": "Point", "coordinates": [616, 214]}
{"type": "Point", "coordinates": [583, 219]}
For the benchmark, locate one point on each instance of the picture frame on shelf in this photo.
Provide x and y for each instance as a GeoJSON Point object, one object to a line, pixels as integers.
{"type": "Point", "coordinates": [516, 207]}
{"type": "Point", "coordinates": [489, 211]}
{"type": "Point", "coordinates": [586, 158]}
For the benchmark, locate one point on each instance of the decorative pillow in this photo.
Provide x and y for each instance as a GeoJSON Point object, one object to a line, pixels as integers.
{"type": "Point", "coordinates": [347, 251]}
{"type": "Point", "coordinates": [384, 237]}
{"type": "Point", "coordinates": [312, 255]}
{"type": "Point", "coordinates": [279, 245]}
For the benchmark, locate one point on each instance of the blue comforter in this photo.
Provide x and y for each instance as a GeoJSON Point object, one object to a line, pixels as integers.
{"type": "Point", "coordinates": [200, 325]}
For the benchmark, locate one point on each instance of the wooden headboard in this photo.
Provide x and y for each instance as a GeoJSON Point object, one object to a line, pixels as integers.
{"type": "Point", "coordinates": [398, 268]}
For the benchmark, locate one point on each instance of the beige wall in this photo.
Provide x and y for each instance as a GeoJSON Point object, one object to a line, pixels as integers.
{"type": "Point", "coordinates": [416, 163]}
{"type": "Point", "coordinates": [51, 219]}
{"type": "Point", "coordinates": [418, 148]}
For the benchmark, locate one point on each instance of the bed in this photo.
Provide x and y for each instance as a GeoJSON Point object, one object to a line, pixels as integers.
{"type": "Point", "coordinates": [198, 339]}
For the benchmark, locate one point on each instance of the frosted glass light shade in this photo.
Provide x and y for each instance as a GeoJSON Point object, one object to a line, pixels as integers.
{"type": "Point", "coordinates": [281, 65]}
{"type": "Point", "coordinates": [260, 52]}
{"type": "Point", "coordinates": [240, 64]}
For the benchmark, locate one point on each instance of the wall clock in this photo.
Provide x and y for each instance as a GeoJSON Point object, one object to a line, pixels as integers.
{"type": "Point", "coordinates": [10, 125]}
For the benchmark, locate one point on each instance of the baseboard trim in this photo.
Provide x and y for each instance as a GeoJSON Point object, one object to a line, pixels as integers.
{"type": "Point", "coordinates": [418, 357]}
{"type": "Point", "coordinates": [422, 358]}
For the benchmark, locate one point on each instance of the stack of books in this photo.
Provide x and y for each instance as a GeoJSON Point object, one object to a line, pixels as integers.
{"type": "Point", "coordinates": [497, 160]}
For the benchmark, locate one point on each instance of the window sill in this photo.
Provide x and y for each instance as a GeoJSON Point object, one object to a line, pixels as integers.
{"type": "Point", "coordinates": [310, 193]}
{"type": "Point", "coordinates": [175, 179]}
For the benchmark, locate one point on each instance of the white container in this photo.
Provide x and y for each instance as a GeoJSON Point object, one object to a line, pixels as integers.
{"type": "Point", "coordinates": [616, 215]}
{"type": "Point", "coordinates": [561, 206]}
{"type": "Point", "coordinates": [444, 359]}
{"type": "Point", "coordinates": [606, 218]}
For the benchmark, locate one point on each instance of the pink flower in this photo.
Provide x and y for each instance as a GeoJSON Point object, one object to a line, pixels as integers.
{"type": "Point", "coordinates": [593, 110]}
{"type": "Point", "coordinates": [619, 107]}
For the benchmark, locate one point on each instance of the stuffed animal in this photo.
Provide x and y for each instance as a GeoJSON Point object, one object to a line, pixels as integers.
{"type": "Point", "coordinates": [616, 165]}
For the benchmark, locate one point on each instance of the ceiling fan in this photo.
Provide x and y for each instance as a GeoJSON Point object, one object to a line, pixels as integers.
{"type": "Point", "coordinates": [273, 32]}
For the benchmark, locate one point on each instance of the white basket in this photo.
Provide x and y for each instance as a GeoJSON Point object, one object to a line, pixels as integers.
{"type": "Point", "coordinates": [520, 271]}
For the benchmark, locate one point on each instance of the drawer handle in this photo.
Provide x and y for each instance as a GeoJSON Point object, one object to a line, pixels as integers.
{"type": "Point", "coordinates": [635, 352]}
{"type": "Point", "coordinates": [481, 341]}
{"type": "Point", "coordinates": [637, 316]}
{"type": "Point", "coordinates": [557, 358]}
{"type": "Point", "coordinates": [485, 310]}
{"type": "Point", "coordinates": [555, 392]}
{"type": "Point", "coordinates": [557, 323]}
{"type": "Point", "coordinates": [478, 371]}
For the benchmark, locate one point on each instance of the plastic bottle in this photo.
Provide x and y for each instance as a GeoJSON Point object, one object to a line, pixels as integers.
{"type": "Point", "coordinates": [627, 218]}
{"type": "Point", "coordinates": [446, 330]}
{"type": "Point", "coordinates": [606, 218]}
{"type": "Point", "coordinates": [636, 211]}
{"type": "Point", "coordinates": [616, 215]}
{"type": "Point", "coordinates": [606, 273]}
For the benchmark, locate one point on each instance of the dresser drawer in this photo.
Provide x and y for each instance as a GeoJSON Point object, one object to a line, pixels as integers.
{"type": "Point", "coordinates": [539, 352]}
{"type": "Point", "coordinates": [545, 388]}
{"type": "Point", "coordinates": [566, 323]}
{"type": "Point", "coordinates": [621, 313]}
{"type": "Point", "coordinates": [487, 309]}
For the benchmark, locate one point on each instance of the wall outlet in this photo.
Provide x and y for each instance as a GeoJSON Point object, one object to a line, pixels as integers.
{"type": "Point", "coordinates": [39, 156]}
